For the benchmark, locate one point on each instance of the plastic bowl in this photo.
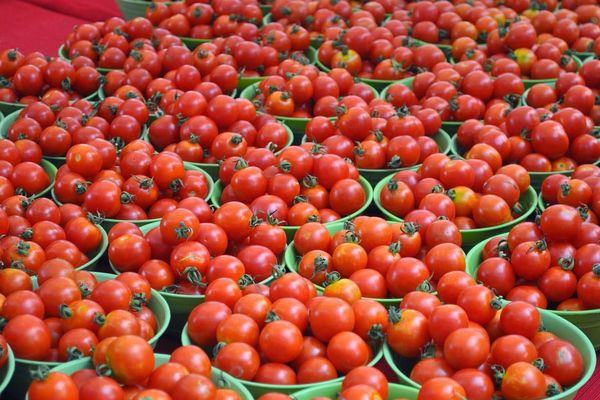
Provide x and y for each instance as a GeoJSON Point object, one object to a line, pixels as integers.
{"type": "Point", "coordinates": [180, 305]}
{"type": "Point", "coordinates": [219, 378]}
{"type": "Point", "coordinates": [553, 323]}
{"type": "Point", "coordinates": [374, 176]}
{"type": "Point", "coordinates": [297, 125]}
{"type": "Point", "coordinates": [291, 258]}
{"type": "Point", "coordinates": [588, 320]}
{"type": "Point", "coordinates": [333, 389]}
{"type": "Point", "coordinates": [110, 222]}
{"type": "Point", "coordinates": [157, 304]}
{"type": "Point", "coordinates": [537, 178]}
{"type": "Point", "coordinates": [258, 389]}
{"type": "Point", "coordinates": [62, 53]}
{"type": "Point", "coordinates": [451, 127]}
{"type": "Point", "coordinates": [134, 8]}
{"type": "Point", "coordinates": [7, 371]}
{"type": "Point", "coordinates": [470, 237]}
{"type": "Point", "coordinates": [291, 230]}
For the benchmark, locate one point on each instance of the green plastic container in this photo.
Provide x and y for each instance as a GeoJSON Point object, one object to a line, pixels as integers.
{"type": "Point", "coordinates": [470, 237]}
{"type": "Point", "coordinates": [62, 53]}
{"type": "Point", "coordinates": [451, 127]}
{"type": "Point", "coordinates": [7, 371]}
{"type": "Point", "coordinates": [333, 389]}
{"type": "Point", "coordinates": [291, 230]}
{"type": "Point", "coordinates": [291, 258]}
{"type": "Point", "coordinates": [110, 222]}
{"type": "Point", "coordinates": [134, 8]}
{"type": "Point", "coordinates": [180, 305]}
{"type": "Point", "coordinates": [374, 176]}
{"type": "Point", "coordinates": [541, 203]}
{"type": "Point", "coordinates": [588, 321]}
{"type": "Point", "coordinates": [219, 378]}
{"type": "Point", "coordinates": [258, 389]}
{"type": "Point", "coordinates": [553, 323]}
{"type": "Point", "coordinates": [537, 178]}
{"type": "Point", "coordinates": [22, 379]}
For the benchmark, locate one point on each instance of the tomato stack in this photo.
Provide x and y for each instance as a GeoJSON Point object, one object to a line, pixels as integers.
{"type": "Point", "coordinates": [220, 142]}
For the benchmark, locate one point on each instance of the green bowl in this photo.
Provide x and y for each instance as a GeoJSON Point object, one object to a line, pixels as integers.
{"type": "Point", "coordinates": [110, 222]}
{"type": "Point", "coordinates": [374, 176]}
{"type": "Point", "coordinates": [588, 320]}
{"type": "Point", "coordinates": [530, 82]}
{"type": "Point", "coordinates": [6, 373]}
{"type": "Point", "coordinates": [333, 389]}
{"type": "Point", "coordinates": [258, 389]}
{"type": "Point", "coordinates": [291, 258]}
{"type": "Point", "coordinates": [541, 203]}
{"type": "Point", "coordinates": [470, 237]}
{"type": "Point", "coordinates": [180, 305]}
{"type": "Point", "coordinates": [22, 379]}
{"type": "Point", "coordinates": [62, 53]}
{"type": "Point", "coordinates": [451, 127]}
{"type": "Point", "coordinates": [553, 323]}
{"type": "Point", "coordinates": [219, 378]}
{"type": "Point", "coordinates": [290, 231]}
{"type": "Point", "coordinates": [537, 178]}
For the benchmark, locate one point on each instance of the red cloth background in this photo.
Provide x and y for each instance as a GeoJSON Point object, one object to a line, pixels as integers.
{"type": "Point", "coordinates": [41, 25]}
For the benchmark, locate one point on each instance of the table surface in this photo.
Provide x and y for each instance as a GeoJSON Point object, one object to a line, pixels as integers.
{"type": "Point", "coordinates": [41, 25]}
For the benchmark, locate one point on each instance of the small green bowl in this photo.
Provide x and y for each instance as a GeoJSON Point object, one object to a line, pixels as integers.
{"type": "Point", "coordinates": [541, 203]}
{"type": "Point", "coordinates": [134, 8]}
{"type": "Point", "coordinates": [62, 53]}
{"type": "Point", "coordinates": [374, 176]}
{"type": "Point", "coordinates": [219, 378]}
{"type": "Point", "coordinates": [333, 389]}
{"type": "Point", "coordinates": [553, 323]}
{"type": "Point", "coordinates": [157, 304]}
{"type": "Point", "coordinates": [470, 237]}
{"type": "Point", "coordinates": [110, 222]}
{"type": "Point", "coordinates": [291, 258]}
{"type": "Point", "coordinates": [530, 82]}
{"type": "Point", "coordinates": [180, 305]}
{"type": "Point", "coordinates": [588, 320]}
{"type": "Point", "coordinates": [7, 371]}
{"type": "Point", "coordinates": [258, 389]}
{"type": "Point", "coordinates": [451, 127]}
{"type": "Point", "coordinates": [290, 231]}
{"type": "Point", "coordinates": [537, 178]}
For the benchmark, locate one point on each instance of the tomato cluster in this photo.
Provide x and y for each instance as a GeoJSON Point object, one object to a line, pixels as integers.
{"type": "Point", "coordinates": [29, 78]}
{"type": "Point", "coordinates": [71, 311]}
{"type": "Point", "coordinates": [580, 191]}
{"type": "Point", "coordinates": [193, 251]}
{"type": "Point", "coordinates": [537, 139]}
{"type": "Point", "coordinates": [570, 90]}
{"type": "Point", "coordinates": [273, 323]}
{"type": "Point", "coordinates": [473, 345]}
{"type": "Point", "coordinates": [199, 20]}
{"type": "Point", "coordinates": [52, 129]}
{"type": "Point", "coordinates": [209, 132]}
{"type": "Point", "coordinates": [295, 187]}
{"type": "Point", "coordinates": [466, 192]}
{"type": "Point", "coordinates": [21, 172]}
{"type": "Point", "coordinates": [376, 259]}
{"type": "Point", "coordinates": [303, 91]}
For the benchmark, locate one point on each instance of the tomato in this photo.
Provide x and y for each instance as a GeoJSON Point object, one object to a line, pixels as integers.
{"type": "Point", "coordinates": [523, 380]}
{"type": "Point", "coordinates": [587, 288]}
{"type": "Point", "coordinates": [53, 385]}
{"type": "Point", "coordinates": [466, 348]}
{"type": "Point", "coordinates": [367, 376]}
{"type": "Point", "coordinates": [560, 222]}
{"type": "Point", "coordinates": [509, 349]}
{"type": "Point", "coordinates": [408, 332]}
{"type": "Point", "coordinates": [520, 318]}
{"type": "Point", "coordinates": [441, 388]}
{"type": "Point", "coordinates": [28, 337]}
{"type": "Point", "coordinates": [328, 309]}
{"type": "Point", "coordinates": [238, 359]}
{"type": "Point", "coordinates": [405, 275]}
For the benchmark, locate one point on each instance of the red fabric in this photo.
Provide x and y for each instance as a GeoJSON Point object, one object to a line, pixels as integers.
{"type": "Point", "coordinates": [41, 25]}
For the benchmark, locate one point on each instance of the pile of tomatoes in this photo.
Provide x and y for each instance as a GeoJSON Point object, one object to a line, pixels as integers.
{"type": "Point", "coordinates": [276, 324]}
{"type": "Point", "coordinates": [68, 312]}
{"type": "Point", "coordinates": [377, 259]}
